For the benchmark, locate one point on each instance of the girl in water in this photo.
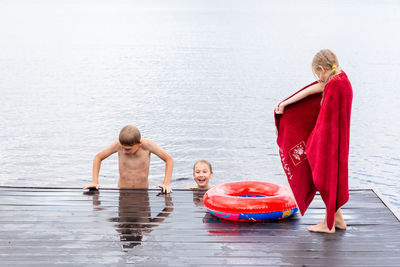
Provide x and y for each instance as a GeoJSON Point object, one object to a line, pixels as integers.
{"type": "Point", "coordinates": [202, 173]}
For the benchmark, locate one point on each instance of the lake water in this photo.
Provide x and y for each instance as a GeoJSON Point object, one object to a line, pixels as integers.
{"type": "Point", "coordinates": [200, 78]}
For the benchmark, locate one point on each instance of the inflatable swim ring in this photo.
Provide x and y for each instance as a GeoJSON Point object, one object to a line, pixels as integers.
{"type": "Point", "coordinates": [250, 201]}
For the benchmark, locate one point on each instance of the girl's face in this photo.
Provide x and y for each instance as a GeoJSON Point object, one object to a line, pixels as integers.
{"type": "Point", "coordinates": [321, 74]}
{"type": "Point", "coordinates": [202, 175]}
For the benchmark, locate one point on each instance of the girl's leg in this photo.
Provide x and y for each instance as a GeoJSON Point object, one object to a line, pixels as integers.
{"type": "Point", "coordinates": [322, 227]}
{"type": "Point", "coordinates": [339, 221]}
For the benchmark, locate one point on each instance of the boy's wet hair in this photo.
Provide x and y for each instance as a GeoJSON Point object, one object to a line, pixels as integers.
{"type": "Point", "coordinates": [205, 162]}
{"type": "Point", "coordinates": [129, 136]}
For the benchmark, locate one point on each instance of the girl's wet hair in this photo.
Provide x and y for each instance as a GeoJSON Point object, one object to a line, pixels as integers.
{"type": "Point", "coordinates": [205, 162]}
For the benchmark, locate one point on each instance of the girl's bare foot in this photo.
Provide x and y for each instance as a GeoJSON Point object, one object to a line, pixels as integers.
{"type": "Point", "coordinates": [321, 227]}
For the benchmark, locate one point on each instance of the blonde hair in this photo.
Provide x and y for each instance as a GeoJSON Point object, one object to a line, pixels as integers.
{"type": "Point", "coordinates": [129, 136]}
{"type": "Point", "coordinates": [326, 59]}
{"type": "Point", "coordinates": [205, 162]}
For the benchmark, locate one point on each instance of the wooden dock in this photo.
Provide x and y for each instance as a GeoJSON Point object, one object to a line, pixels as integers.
{"type": "Point", "coordinates": [48, 226]}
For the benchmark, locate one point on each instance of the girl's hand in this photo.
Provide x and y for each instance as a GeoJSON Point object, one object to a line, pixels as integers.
{"type": "Point", "coordinates": [280, 109]}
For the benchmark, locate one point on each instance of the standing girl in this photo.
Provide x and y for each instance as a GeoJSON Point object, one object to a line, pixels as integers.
{"type": "Point", "coordinates": [314, 138]}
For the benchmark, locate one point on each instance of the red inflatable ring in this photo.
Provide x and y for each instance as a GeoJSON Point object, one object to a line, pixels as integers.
{"type": "Point", "coordinates": [250, 201]}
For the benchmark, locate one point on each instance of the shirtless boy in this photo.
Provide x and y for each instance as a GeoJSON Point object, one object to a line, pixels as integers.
{"type": "Point", "coordinates": [133, 161]}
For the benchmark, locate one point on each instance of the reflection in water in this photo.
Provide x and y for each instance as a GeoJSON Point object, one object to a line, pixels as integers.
{"type": "Point", "coordinates": [95, 198]}
{"type": "Point", "coordinates": [214, 225]}
{"type": "Point", "coordinates": [218, 226]}
{"type": "Point", "coordinates": [198, 195]}
{"type": "Point", "coordinates": [134, 215]}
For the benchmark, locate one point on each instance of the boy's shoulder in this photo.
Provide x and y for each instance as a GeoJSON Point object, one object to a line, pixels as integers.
{"type": "Point", "coordinates": [148, 144]}
{"type": "Point", "coordinates": [116, 145]}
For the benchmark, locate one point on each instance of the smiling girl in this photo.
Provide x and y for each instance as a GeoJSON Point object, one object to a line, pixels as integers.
{"type": "Point", "coordinates": [202, 173]}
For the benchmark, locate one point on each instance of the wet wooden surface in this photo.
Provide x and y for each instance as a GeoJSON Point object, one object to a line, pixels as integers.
{"type": "Point", "coordinates": [113, 227]}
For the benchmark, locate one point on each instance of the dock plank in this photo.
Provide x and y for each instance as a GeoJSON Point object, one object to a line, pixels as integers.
{"type": "Point", "coordinates": [66, 226]}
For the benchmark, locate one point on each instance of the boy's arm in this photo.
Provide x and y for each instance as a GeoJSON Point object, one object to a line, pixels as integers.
{"type": "Point", "coordinates": [313, 89]}
{"type": "Point", "coordinates": [111, 149]}
{"type": "Point", "coordinates": [169, 164]}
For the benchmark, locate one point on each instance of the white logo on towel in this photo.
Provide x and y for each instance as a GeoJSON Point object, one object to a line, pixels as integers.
{"type": "Point", "coordinates": [286, 167]}
{"type": "Point", "coordinates": [298, 153]}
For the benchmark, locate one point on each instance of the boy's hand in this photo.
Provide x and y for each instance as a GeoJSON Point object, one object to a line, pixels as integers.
{"type": "Point", "coordinates": [92, 186]}
{"type": "Point", "coordinates": [165, 188]}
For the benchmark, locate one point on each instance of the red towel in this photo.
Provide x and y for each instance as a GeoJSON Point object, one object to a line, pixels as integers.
{"type": "Point", "coordinates": [313, 142]}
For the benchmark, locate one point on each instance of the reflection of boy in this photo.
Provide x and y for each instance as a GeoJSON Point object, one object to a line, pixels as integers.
{"type": "Point", "coordinates": [133, 161]}
{"type": "Point", "coordinates": [134, 216]}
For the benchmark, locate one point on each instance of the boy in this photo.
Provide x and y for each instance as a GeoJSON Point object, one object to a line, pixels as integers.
{"type": "Point", "coordinates": [133, 161]}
